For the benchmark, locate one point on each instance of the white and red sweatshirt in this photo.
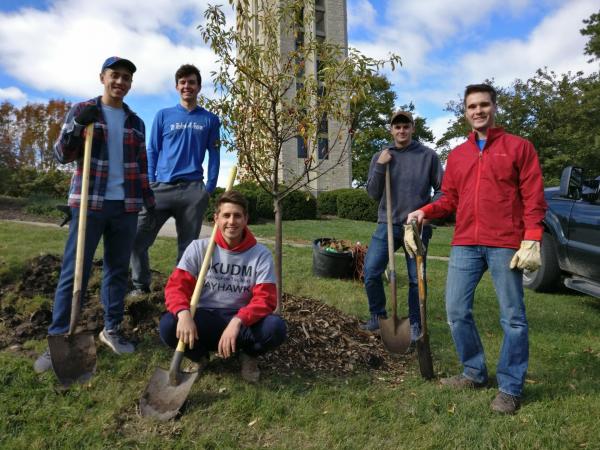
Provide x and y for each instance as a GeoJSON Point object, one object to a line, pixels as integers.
{"type": "Point", "coordinates": [242, 277]}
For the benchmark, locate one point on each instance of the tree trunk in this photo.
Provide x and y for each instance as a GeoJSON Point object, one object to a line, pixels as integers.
{"type": "Point", "coordinates": [278, 252]}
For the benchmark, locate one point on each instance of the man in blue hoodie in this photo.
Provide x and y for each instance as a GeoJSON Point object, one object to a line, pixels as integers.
{"type": "Point", "coordinates": [180, 138]}
{"type": "Point", "coordinates": [414, 171]}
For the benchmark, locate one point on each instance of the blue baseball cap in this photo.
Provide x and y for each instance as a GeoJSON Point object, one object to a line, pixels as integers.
{"type": "Point", "coordinates": [116, 60]}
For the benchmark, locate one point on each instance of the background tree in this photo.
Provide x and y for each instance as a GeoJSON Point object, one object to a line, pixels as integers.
{"type": "Point", "coordinates": [557, 113]}
{"type": "Point", "coordinates": [592, 30]}
{"type": "Point", "coordinates": [267, 97]}
{"type": "Point", "coordinates": [7, 136]}
{"type": "Point", "coordinates": [27, 134]}
{"type": "Point", "coordinates": [370, 126]}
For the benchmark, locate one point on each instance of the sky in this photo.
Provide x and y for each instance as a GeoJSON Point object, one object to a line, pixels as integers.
{"type": "Point", "coordinates": [53, 49]}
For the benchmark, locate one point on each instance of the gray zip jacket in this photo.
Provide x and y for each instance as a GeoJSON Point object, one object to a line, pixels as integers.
{"type": "Point", "coordinates": [414, 171]}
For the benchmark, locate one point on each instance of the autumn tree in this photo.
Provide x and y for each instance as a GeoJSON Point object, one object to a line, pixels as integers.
{"type": "Point", "coordinates": [27, 134]}
{"type": "Point", "coordinates": [7, 136]}
{"type": "Point", "coordinates": [269, 95]}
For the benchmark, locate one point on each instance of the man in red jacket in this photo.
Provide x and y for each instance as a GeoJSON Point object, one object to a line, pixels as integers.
{"type": "Point", "coordinates": [235, 311]}
{"type": "Point", "coordinates": [493, 182]}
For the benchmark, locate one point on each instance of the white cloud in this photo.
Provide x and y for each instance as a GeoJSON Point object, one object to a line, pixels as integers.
{"type": "Point", "coordinates": [361, 14]}
{"type": "Point", "coordinates": [555, 43]}
{"type": "Point", "coordinates": [62, 48]}
{"type": "Point", "coordinates": [442, 49]}
{"type": "Point", "coordinates": [13, 94]}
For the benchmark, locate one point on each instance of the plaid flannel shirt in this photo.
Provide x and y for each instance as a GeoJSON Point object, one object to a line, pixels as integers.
{"type": "Point", "coordinates": [69, 147]}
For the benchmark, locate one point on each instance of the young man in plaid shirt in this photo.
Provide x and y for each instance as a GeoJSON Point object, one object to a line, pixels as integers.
{"type": "Point", "coordinates": [118, 189]}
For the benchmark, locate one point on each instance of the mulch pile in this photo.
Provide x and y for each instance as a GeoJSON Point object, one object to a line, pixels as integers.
{"type": "Point", "coordinates": [321, 339]}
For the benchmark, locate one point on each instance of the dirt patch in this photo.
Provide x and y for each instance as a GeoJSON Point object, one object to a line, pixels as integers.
{"type": "Point", "coordinates": [321, 339]}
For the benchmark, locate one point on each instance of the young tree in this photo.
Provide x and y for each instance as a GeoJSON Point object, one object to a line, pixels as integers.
{"type": "Point", "coordinates": [269, 95]}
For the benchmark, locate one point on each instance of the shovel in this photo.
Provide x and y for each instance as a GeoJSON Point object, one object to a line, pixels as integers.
{"type": "Point", "coordinates": [395, 332]}
{"type": "Point", "coordinates": [168, 389]}
{"type": "Point", "coordinates": [422, 343]}
{"type": "Point", "coordinates": [74, 355]}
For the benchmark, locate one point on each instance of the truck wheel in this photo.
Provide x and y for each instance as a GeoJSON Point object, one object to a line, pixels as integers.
{"type": "Point", "coordinates": [547, 277]}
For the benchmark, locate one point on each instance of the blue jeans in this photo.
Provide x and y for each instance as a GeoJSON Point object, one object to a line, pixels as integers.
{"type": "Point", "coordinates": [117, 227]}
{"type": "Point", "coordinates": [263, 336]}
{"type": "Point", "coordinates": [376, 262]}
{"type": "Point", "coordinates": [466, 267]}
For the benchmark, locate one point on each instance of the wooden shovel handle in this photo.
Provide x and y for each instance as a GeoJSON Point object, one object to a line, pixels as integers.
{"type": "Point", "coordinates": [81, 229]}
{"type": "Point", "coordinates": [390, 240]}
{"type": "Point", "coordinates": [205, 263]}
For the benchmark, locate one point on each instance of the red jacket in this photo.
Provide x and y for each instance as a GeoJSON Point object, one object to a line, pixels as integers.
{"type": "Point", "coordinates": [497, 193]}
{"type": "Point", "coordinates": [181, 284]}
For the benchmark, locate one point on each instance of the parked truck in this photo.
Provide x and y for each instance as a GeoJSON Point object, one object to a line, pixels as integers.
{"type": "Point", "coordinates": [571, 243]}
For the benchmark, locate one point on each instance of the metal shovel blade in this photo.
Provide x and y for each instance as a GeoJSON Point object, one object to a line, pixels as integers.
{"type": "Point", "coordinates": [395, 334]}
{"type": "Point", "coordinates": [424, 356]}
{"type": "Point", "coordinates": [73, 357]}
{"type": "Point", "coordinates": [163, 400]}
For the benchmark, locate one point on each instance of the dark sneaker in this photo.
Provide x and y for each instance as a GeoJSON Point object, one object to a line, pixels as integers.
{"type": "Point", "coordinates": [43, 363]}
{"type": "Point", "coordinates": [115, 340]}
{"type": "Point", "coordinates": [372, 324]}
{"type": "Point", "coordinates": [250, 371]}
{"type": "Point", "coordinates": [139, 292]}
{"type": "Point", "coordinates": [506, 403]}
{"type": "Point", "coordinates": [461, 382]}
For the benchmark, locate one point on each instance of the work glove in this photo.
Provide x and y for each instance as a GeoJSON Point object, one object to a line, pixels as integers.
{"type": "Point", "coordinates": [88, 115]}
{"type": "Point", "coordinates": [528, 257]}
{"type": "Point", "coordinates": [149, 220]}
{"type": "Point", "coordinates": [66, 210]}
{"type": "Point", "coordinates": [410, 244]}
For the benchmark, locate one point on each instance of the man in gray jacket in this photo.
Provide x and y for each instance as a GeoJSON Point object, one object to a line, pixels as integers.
{"type": "Point", "coordinates": [414, 171]}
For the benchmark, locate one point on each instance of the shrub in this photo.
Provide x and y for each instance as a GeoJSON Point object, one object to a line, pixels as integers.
{"type": "Point", "coordinates": [45, 205]}
{"type": "Point", "coordinates": [250, 191]}
{"type": "Point", "coordinates": [27, 181]}
{"type": "Point", "coordinates": [210, 209]}
{"type": "Point", "coordinates": [355, 204]}
{"type": "Point", "coordinates": [299, 205]}
{"type": "Point", "coordinates": [327, 201]}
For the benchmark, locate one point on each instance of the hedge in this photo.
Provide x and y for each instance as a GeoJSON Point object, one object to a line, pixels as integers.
{"type": "Point", "coordinates": [327, 201]}
{"type": "Point", "coordinates": [355, 204]}
{"type": "Point", "coordinates": [26, 181]}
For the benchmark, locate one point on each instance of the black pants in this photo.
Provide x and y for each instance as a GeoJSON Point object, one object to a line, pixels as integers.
{"type": "Point", "coordinates": [264, 335]}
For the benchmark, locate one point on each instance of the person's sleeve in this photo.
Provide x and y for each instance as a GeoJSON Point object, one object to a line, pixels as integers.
{"type": "Point", "coordinates": [376, 178]}
{"type": "Point", "coordinates": [214, 156]}
{"type": "Point", "coordinates": [448, 200]}
{"type": "Point", "coordinates": [147, 193]}
{"type": "Point", "coordinates": [531, 187]}
{"type": "Point", "coordinates": [179, 290]}
{"type": "Point", "coordinates": [262, 303]}
{"type": "Point", "coordinates": [69, 144]}
{"type": "Point", "coordinates": [154, 146]}
{"type": "Point", "coordinates": [264, 293]}
{"type": "Point", "coordinates": [437, 173]}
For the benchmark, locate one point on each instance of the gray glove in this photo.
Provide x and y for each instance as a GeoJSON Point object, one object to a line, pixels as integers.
{"type": "Point", "coordinates": [148, 219]}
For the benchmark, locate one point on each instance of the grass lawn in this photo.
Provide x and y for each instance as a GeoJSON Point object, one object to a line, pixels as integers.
{"type": "Point", "coordinates": [562, 397]}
